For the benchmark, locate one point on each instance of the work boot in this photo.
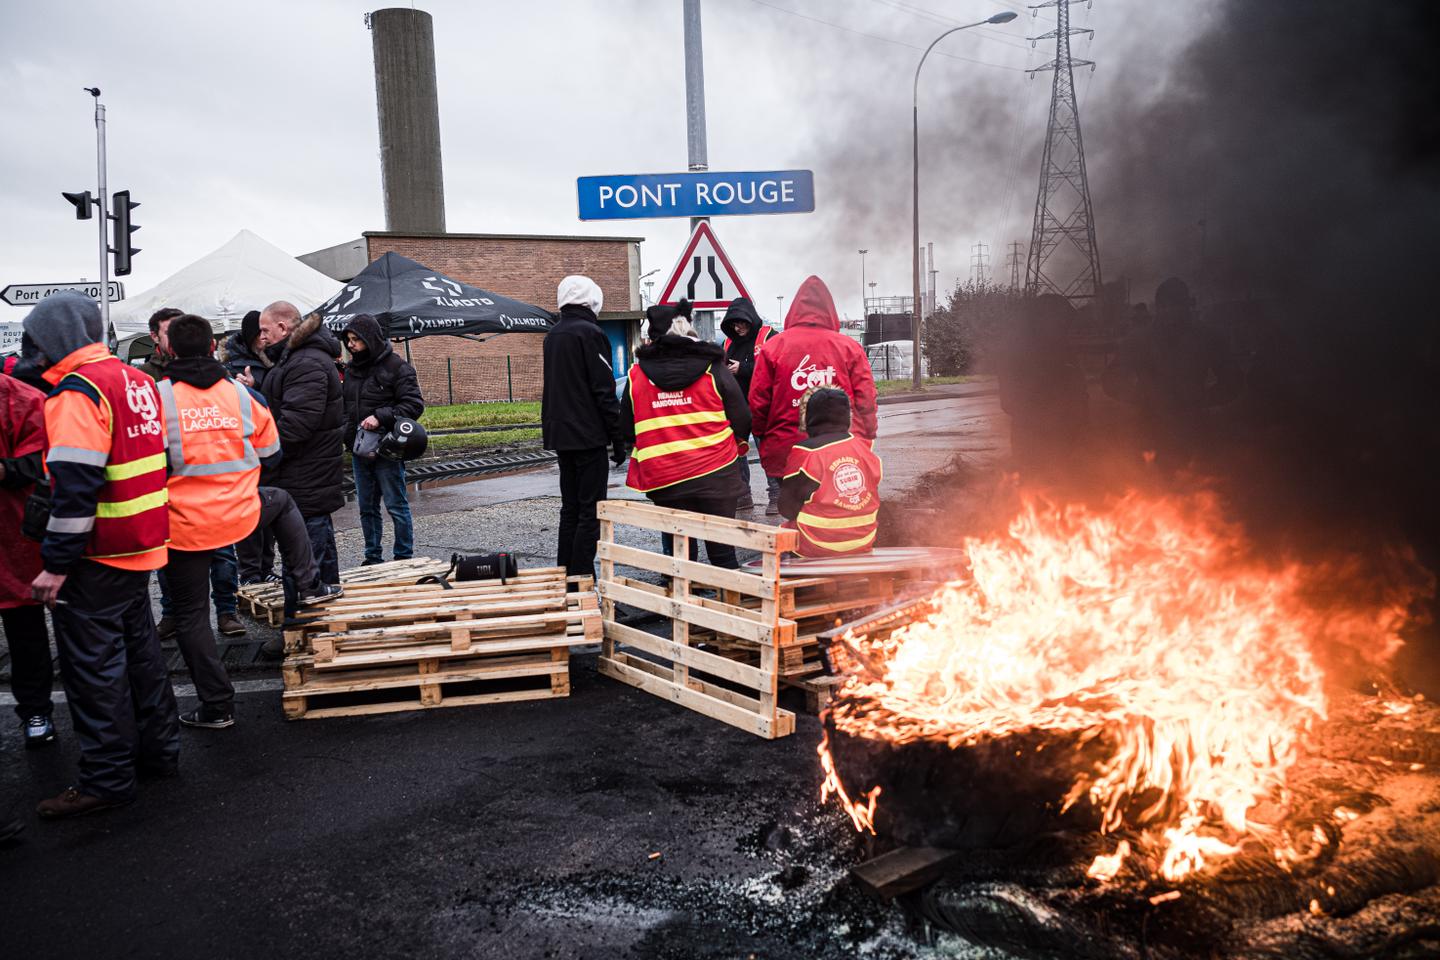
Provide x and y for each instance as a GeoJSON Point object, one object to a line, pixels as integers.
{"type": "Point", "coordinates": [165, 629]}
{"type": "Point", "coordinates": [38, 731]}
{"type": "Point", "coordinates": [71, 802]}
{"type": "Point", "coordinates": [229, 625]}
{"type": "Point", "coordinates": [746, 502]}
{"type": "Point", "coordinates": [319, 593]}
{"type": "Point", "coordinates": [273, 649]}
{"type": "Point", "coordinates": [772, 509]}
{"type": "Point", "coordinates": [210, 717]}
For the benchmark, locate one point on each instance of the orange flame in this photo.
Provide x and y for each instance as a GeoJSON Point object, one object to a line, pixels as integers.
{"type": "Point", "coordinates": [1143, 628]}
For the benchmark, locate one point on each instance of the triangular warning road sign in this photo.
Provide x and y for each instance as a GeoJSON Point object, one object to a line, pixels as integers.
{"type": "Point", "coordinates": [704, 275]}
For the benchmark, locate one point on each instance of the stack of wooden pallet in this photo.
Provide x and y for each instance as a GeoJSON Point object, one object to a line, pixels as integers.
{"type": "Point", "coordinates": [266, 601]}
{"type": "Point", "coordinates": [404, 646]}
{"type": "Point", "coordinates": [756, 629]}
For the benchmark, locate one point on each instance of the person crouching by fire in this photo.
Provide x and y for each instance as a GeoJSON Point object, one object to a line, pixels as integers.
{"type": "Point", "coordinates": [831, 489]}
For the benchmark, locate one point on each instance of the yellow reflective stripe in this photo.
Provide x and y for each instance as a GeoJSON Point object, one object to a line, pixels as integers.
{"type": "Point", "coordinates": [124, 471]}
{"type": "Point", "coordinates": [676, 446]}
{"type": "Point", "coordinates": [839, 546]}
{"type": "Point", "coordinates": [128, 508]}
{"type": "Point", "coordinates": [679, 420]}
{"type": "Point", "coordinates": [836, 523]}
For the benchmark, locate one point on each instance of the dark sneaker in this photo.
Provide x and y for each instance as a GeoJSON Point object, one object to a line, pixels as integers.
{"type": "Point", "coordinates": [273, 649]}
{"type": "Point", "coordinates": [38, 732]}
{"type": "Point", "coordinates": [71, 802]}
{"type": "Point", "coordinates": [209, 717]}
{"type": "Point", "coordinates": [165, 628]}
{"type": "Point", "coordinates": [274, 578]}
{"type": "Point", "coordinates": [319, 594]}
{"type": "Point", "coordinates": [157, 769]}
{"type": "Point", "coordinates": [746, 502]}
{"type": "Point", "coordinates": [772, 509]}
{"type": "Point", "coordinates": [229, 625]}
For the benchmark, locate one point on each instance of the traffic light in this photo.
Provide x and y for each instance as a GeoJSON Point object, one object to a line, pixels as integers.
{"type": "Point", "coordinates": [120, 235]}
{"type": "Point", "coordinates": [84, 204]}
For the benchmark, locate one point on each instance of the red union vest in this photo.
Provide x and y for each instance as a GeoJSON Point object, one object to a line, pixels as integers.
{"type": "Point", "coordinates": [765, 331]}
{"type": "Point", "coordinates": [679, 434]}
{"type": "Point", "coordinates": [843, 515]}
{"type": "Point", "coordinates": [131, 512]}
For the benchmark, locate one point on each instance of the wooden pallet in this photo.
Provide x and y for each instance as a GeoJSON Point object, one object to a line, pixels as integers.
{"type": "Point", "coordinates": [265, 602]}
{"type": "Point", "coordinates": [673, 667]}
{"type": "Point", "coordinates": [423, 684]}
{"type": "Point", "coordinates": [409, 647]}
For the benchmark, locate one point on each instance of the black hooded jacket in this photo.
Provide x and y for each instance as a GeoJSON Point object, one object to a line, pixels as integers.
{"type": "Point", "coordinates": [236, 355]}
{"type": "Point", "coordinates": [742, 349]}
{"type": "Point", "coordinates": [303, 391]}
{"type": "Point", "coordinates": [578, 409]}
{"type": "Point", "coordinates": [674, 363]}
{"type": "Point", "coordinates": [378, 383]}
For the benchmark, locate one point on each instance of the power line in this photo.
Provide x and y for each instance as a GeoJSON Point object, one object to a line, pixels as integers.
{"type": "Point", "coordinates": [898, 43]}
{"type": "Point", "coordinates": [943, 20]}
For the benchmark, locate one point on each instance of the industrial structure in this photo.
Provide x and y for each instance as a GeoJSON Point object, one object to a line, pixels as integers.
{"type": "Point", "coordinates": [1064, 258]}
{"type": "Point", "coordinates": [408, 106]}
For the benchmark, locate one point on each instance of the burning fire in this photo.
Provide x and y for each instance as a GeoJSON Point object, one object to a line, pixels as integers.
{"type": "Point", "coordinates": [1145, 629]}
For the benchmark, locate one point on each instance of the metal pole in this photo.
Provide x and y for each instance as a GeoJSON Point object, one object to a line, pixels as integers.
{"type": "Point", "coordinates": [915, 201]}
{"type": "Point", "coordinates": [449, 381]}
{"type": "Point", "coordinates": [864, 313]}
{"type": "Point", "coordinates": [509, 380]}
{"type": "Point", "coordinates": [695, 124]}
{"type": "Point", "coordinates": [104, 217]}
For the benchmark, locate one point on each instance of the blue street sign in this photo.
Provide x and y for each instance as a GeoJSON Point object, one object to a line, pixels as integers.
{"type": "Point", "coordinates": [644, 195]}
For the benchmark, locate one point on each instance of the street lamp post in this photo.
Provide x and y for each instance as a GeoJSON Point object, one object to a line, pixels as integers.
{"type": "Point", "coordinates": [780, 309]}
{"type": "Point", "coordinates": [916, 319]}
{"type": "Point", "coordinates": [864, 314]}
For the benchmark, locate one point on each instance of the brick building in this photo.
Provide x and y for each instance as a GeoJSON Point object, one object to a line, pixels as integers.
{"type": "Point", "coordinates": [528, 268]}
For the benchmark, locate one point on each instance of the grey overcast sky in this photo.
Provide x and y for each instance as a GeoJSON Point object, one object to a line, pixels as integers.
{"type": "Point", "coordinates": [261, 115]}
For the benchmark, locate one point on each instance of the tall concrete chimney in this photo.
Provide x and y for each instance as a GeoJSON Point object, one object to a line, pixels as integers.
{"type": "Point", "coordinates": [409, 110]}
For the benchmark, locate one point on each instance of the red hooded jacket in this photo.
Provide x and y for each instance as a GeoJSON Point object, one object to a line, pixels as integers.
{"type": "Point", "coordinates": [811, 352]}
{"type": "Point", "coordinates": [22, 432]}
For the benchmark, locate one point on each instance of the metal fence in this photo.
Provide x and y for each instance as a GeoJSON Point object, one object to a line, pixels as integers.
{"type": "Point", "coordinates": [477, 379]}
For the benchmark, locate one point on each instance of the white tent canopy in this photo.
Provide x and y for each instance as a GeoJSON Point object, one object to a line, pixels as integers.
{"type": "Point", "coordinates": [247, 273]}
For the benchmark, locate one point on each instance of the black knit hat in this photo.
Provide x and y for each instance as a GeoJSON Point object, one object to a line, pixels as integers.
{"type": "Point", "coordinates": [825, 410]}
{"type": "Point", "coordinates": [659, 317]}
{"type": "Point", "coordinates": [250, 326]}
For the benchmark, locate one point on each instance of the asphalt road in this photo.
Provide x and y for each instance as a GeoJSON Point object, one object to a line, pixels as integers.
{"type": "Point", "coordinates": [512, 830]}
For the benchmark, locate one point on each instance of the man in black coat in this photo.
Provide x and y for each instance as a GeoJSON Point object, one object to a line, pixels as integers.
{"type": "Point", "coordinates": [379, 386]}
{"type": "Point", "coordinates": [744, 333]}
{"type": "Point", "coordinates": [303, 391]}
{"type": "Point", "coordinates": [580, 418]}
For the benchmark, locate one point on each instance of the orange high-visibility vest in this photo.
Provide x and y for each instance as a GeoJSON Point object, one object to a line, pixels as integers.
{"type": "Point", "coordinates": [679, 434]}
{"type": "Point", "coordinates": [216, 436]}
{"type": "Point", "coordinates": [842, 517]}
{"type": "Point", "coordinates": [123, 435]}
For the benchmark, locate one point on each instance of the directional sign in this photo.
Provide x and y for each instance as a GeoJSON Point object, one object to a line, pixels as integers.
{"type": "Point", "coordinates": [645, 195]}
{"type": "Point", "coordinates": [29, 294]}
{"type": "Point", "coordinates": [10, 333]}
{"type": "Point", "coordinates": [704, 275]}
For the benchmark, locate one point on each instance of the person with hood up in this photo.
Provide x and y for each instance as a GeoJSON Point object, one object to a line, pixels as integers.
{"type": "Point", "coordinates": [303, 391]}
{"type": "Point", "coordinates": [745, 333]}
{"type": "Point", "coordinates": [22, 454]}
{"type": "Point", "coordinates": [580, 418]}
{"type": "Point", "coordinates": [108, 527]}
{"type": "Point", "coordinates": [810, 352]}
{"type": "Point", "coordinates": [379, 386]}
{"type": "Point", "coordinates": [831, 490]}
{"type": "Point", "coordinates": [686, 418]}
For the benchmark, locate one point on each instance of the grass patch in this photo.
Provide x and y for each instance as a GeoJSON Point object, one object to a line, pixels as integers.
{"type": "Point", "coordinates": [887, 387]}
{"type": "Point", "coordinates": [489, 440]}
{"type": "Point", "coordinates": [479, 415]}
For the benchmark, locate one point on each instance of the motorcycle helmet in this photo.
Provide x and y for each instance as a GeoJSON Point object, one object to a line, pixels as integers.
{"type": "Point", "coordinates": [405, 441]}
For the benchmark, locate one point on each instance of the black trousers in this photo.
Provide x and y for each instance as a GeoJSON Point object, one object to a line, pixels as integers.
{"type": "Point", "coordinates": [121, 703]}
{"type": "Point", "coordinates": [719, 554]}
{"type": "Point", "coordinates": [31, 672]}
{"type": "Point", "coordinates": [188, 576]}
{"type": "Point", "coordinates": [255, 555]}
{"type": "Point", "coordinates": [584, 476]}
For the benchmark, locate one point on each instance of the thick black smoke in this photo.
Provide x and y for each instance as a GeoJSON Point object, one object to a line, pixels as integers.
{"type": "Point", "coordinates": [1306, 135]}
